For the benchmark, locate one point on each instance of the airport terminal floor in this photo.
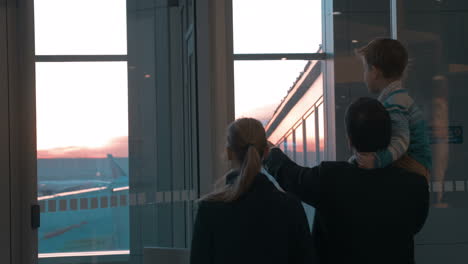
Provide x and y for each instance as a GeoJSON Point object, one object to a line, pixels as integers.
{"type": "Point", "coordinates": [113, 113]}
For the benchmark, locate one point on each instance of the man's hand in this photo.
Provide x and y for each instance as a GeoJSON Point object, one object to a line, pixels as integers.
{"type": "Point", "coordinates": [365, 160]}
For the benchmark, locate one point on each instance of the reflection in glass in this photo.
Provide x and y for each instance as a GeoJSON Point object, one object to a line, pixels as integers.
{"type": "Point", "coordinates": [321, 126]}
{"type": "Point", "coordinates": [82, 125]}
{"type": "Point", "coordinates": [281, 146]}
{"type": "Point", "coordinates": [265, 26]}
{"type": "Point", "coordinates": [80, 27]}
{"type": "Point", "coordinates": [311, 146]}
{"type": "Point", "coordinates": [291, 147]}
{"type": "Point", "coordinates": [299, 136]}
{"type": "Point", "coordinates": [82, 148]}
{"type": "Point", "coordinates": [285, 146]}
{"type": "Point", "coordinates": [260, 86]}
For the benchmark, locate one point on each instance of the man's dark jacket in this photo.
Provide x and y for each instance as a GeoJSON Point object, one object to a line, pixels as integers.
{"type": "Point", "coordinates": [362, 216]}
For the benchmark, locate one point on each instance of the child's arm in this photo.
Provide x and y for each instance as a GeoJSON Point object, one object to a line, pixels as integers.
{"type": "Point", "coordinates": [398, 144]}
{"type": "Point", "coordinates": [400, 140]}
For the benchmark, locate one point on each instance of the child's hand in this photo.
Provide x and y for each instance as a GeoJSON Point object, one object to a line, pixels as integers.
{"type": "Point", "coordinates": [365, 160]}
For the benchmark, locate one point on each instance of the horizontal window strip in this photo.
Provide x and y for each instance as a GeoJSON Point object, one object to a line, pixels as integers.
{"type": "Point", "coordinates": [281, 56]}
{"type": "Point", "coordinates": [80, 58]}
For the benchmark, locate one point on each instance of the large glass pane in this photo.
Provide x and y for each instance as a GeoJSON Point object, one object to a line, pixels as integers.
{"type": "Point", "coordinates": [437, 78]}
{"type": "Point", "coordinates": [311, 146]}
{"type": "Point", "coordinates": [435, 35]}
{"type": "Point", "coordinates": [260, 86]}
{"type": "Point", "coordinates": [299, 136]}
{"type": "Point", "coordinates": [279, 93]}
{"type": "Point", "coordinates": [81, 106]}
{"type": "Point", "coordinates": [290, 145]}
{"type": "Point", "coordinates": [115, 144]}
{"type": "Point", "coordinates": [321, 130]}
{"type": "Point", "coordinates": [266, 26]}
{"type": "Point", "coordinates": [77, 27]}
{"type": "Point", "coordinates": [82, 147]}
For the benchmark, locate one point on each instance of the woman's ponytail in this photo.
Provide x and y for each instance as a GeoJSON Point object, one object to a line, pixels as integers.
{"type": "Point", "coordinates": [250, 168]}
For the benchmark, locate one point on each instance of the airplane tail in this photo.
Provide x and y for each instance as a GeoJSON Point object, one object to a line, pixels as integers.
{"type": "Point", "coordinates": [117, 171]}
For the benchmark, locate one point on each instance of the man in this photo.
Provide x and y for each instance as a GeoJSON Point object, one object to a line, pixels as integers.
{"type": "Point", "coordinates": [362, 215]}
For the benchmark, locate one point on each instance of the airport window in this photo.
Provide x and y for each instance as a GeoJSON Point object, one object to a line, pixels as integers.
{"type": "Point", "coordinates": [291, 146]}
{"type": "Point", "coordinates": [281, 145]}
{"type": "Point", "coordinates": [74, 204]}
{"type": "Point", "coordinates": [278, 69]}
{"type": "Point", "coordinates": [259, 88]}
{"type": "Point", "coordinates": [80, 27]}
{"type": "Point", "coordinates": [82, 121]}
{"type": "Point", "coordinates": [114, 201]}
{"type": "Point", "coordinates": [62, 205]}
{"type": "Point", "coordinates": [94, 203]}
{"type": "Point", "coordinates": [95, 85]}
{"type": "Point", "coordinates": [104, 202]}
{"type": "Point", "coordinates": [84, 204]}
{"type": "Point", "coordinates": [321, 131]}
{"type": "Point", "coordinates": [265, 26]}
{"type": "Point", "coordinates": [311, 149]}
{"type": "Point", "coordinates": [299, 136]}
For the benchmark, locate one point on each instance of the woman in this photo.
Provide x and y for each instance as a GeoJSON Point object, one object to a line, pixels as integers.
{"type": "Point", "coordinates": [248, 219]}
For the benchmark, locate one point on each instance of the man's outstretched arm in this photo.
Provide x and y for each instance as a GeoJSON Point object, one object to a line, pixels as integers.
{"type": "Point", "coordinates": [301, 181]}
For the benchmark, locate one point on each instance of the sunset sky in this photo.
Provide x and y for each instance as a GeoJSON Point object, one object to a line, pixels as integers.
{"type": "Point", "coordinates": [85, 111]}
{"type": "Point", "coordinates": [82, 107]}
{"type": "Point", "coordinates": [271, 26]}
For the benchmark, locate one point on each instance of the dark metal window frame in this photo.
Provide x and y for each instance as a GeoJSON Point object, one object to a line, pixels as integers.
{"type": "Point", "coordinates": [80, 58]}
{"type": "Point", "coordinates": [280, 56]}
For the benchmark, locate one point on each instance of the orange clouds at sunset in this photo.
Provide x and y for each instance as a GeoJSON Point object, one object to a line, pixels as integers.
{"type": "Point", "coordinates": [117, 147]}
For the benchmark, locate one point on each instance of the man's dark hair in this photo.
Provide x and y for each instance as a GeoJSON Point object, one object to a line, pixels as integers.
{"type": "Point", "coordinates": [388, 55]}
{"type": "Point", "coordinates": [368, 125]}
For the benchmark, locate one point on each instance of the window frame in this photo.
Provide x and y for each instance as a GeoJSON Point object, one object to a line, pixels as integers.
{"type": "Point", "coordinates": [328, 76]}
{"type": "Point", "coordinates": [80, 58]}
{"type": "Point", "coordinates": [115, 256]}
